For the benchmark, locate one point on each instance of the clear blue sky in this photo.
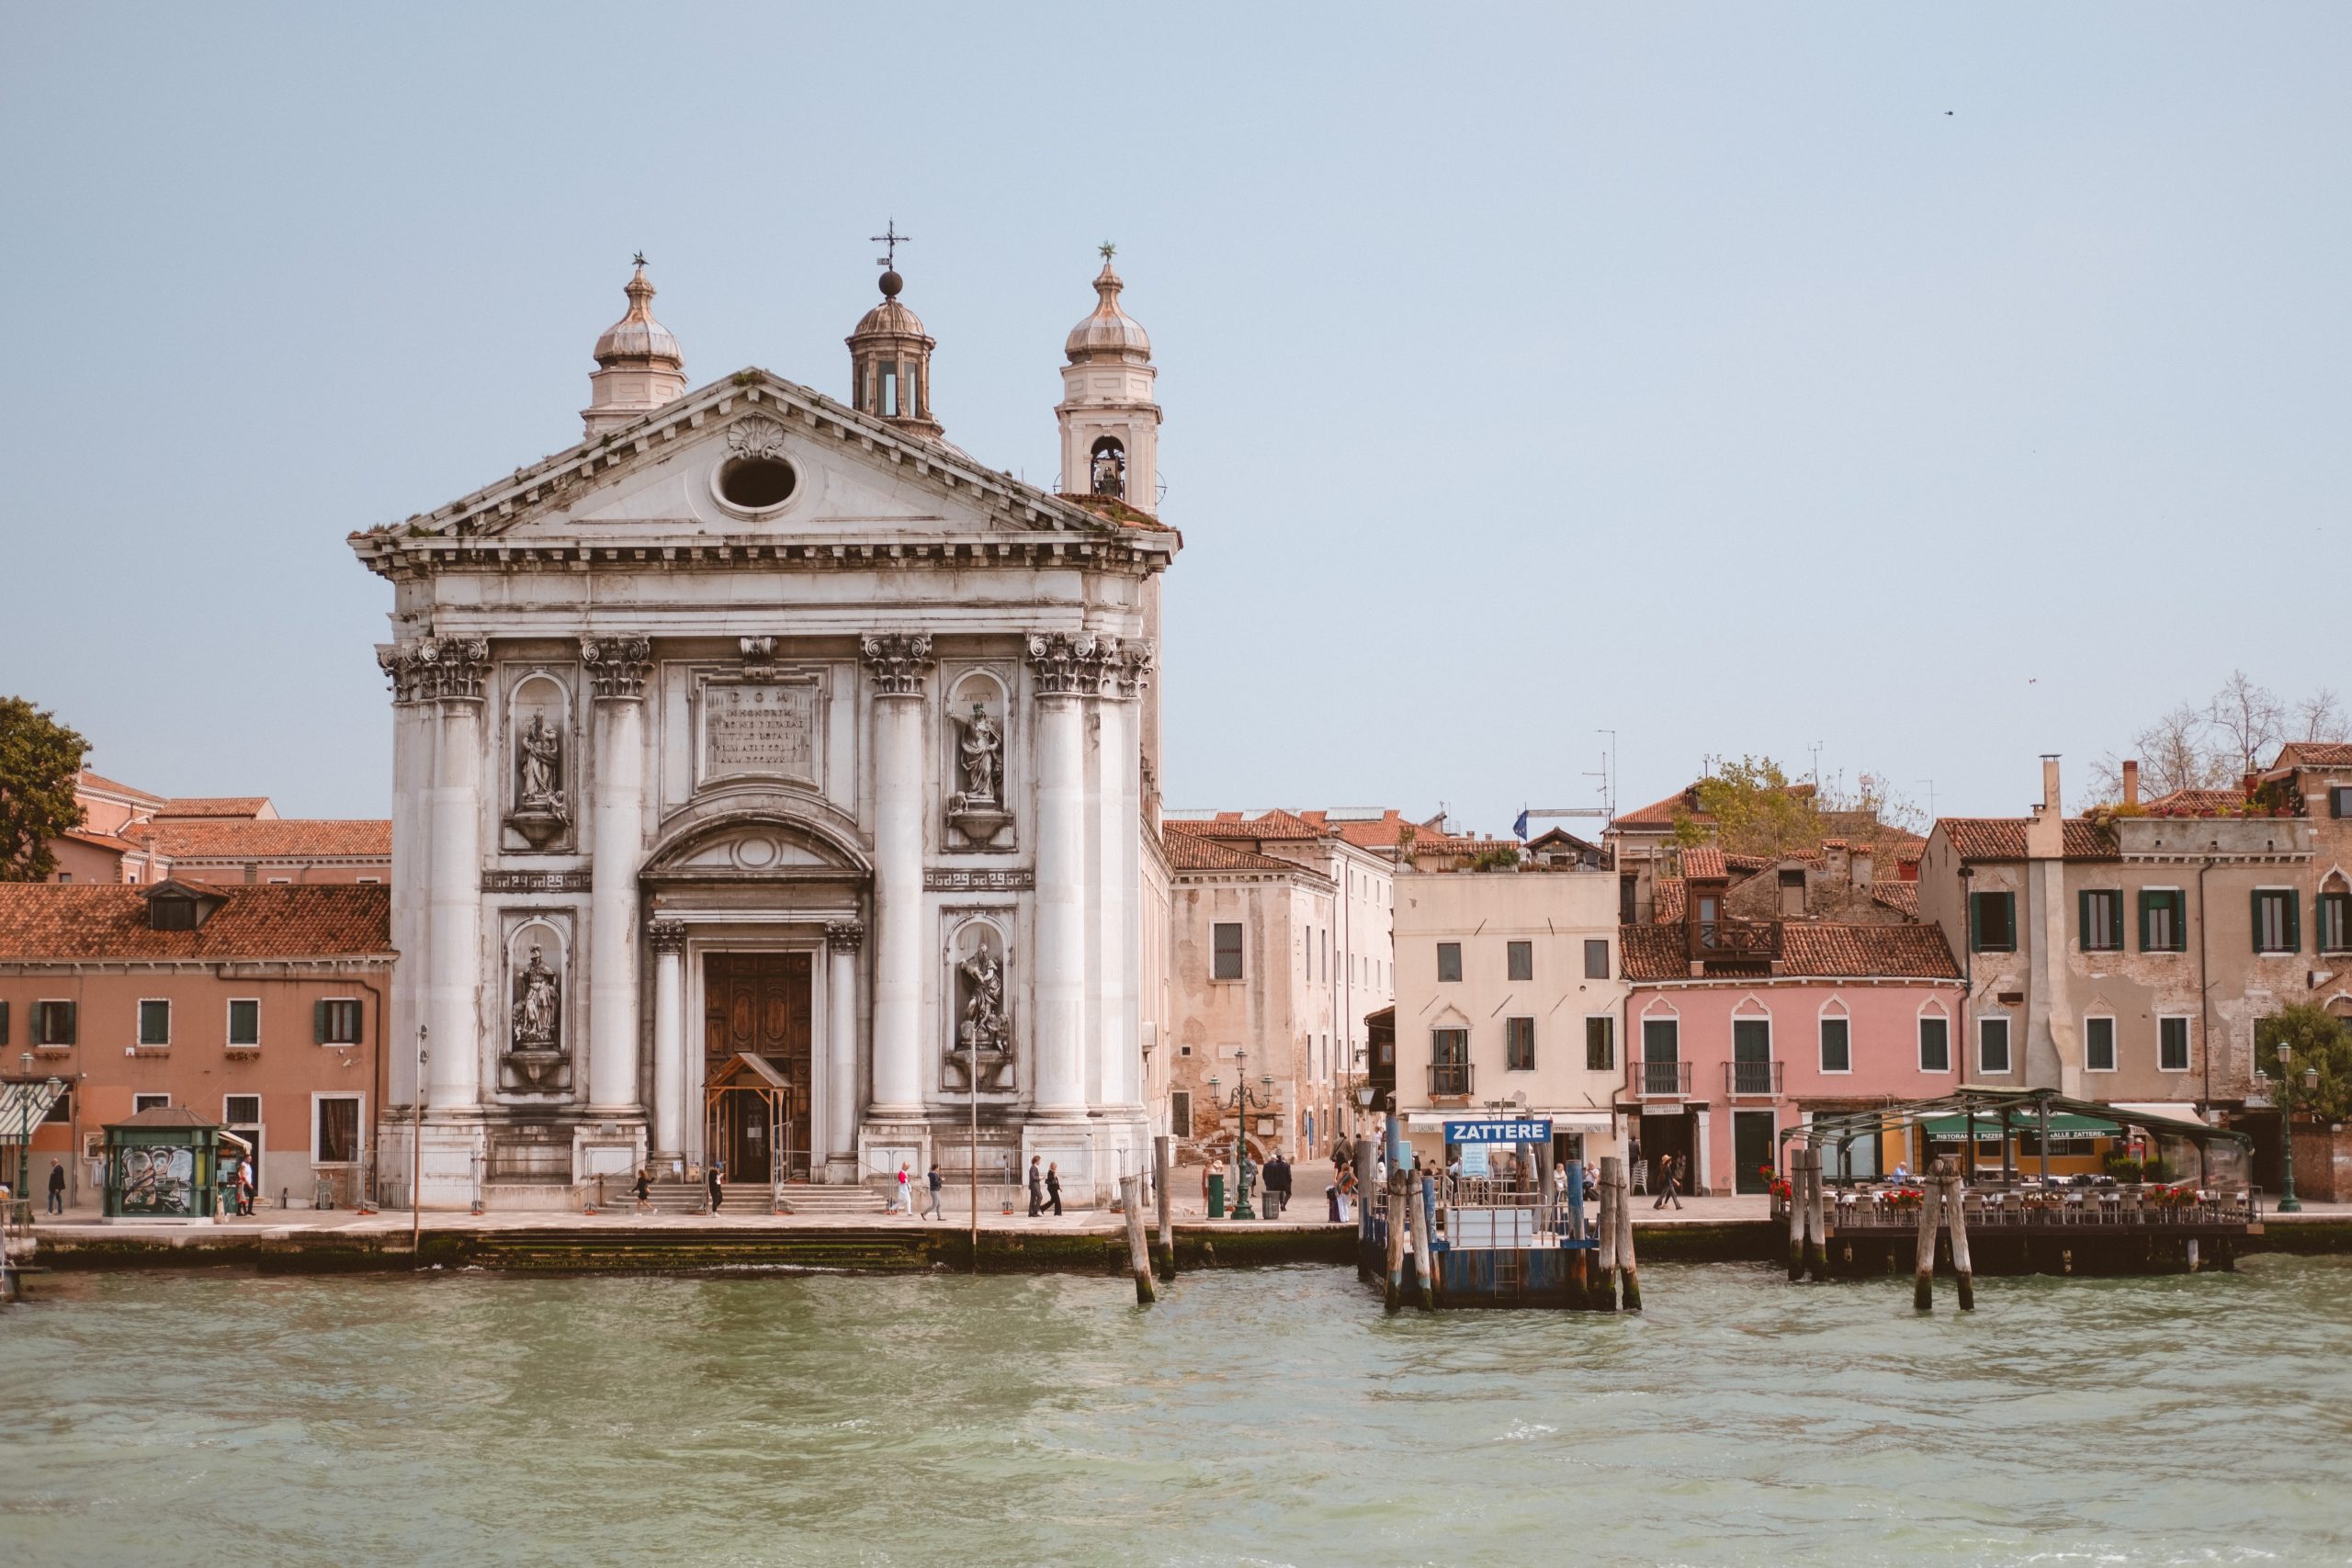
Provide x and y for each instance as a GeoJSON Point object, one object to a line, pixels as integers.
{"type": "Point", "coordinates": [1941, 386]}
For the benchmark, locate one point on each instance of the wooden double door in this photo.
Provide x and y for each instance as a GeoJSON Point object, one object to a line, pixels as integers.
{"type": "Point", "coordinates": [757, 1005]}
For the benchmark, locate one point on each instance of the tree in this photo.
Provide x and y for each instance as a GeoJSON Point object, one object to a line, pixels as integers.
{"type": "Point", "coordinates": [2213, 745]}
{"type": "Point", "coordinates": [39, 760]}
{"type": "Point", "coordinates": [1756, 810]}
{"type": "Point", "coordinates": [2318, 719]}
{"type": "Point", "coordinates": [2317, 1039]}
{"type": "Point", "coordinates": [2247, 721]}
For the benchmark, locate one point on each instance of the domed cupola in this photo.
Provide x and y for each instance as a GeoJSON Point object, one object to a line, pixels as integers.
{"type": "Point", "coordinates": [1109, 424]}
{"type": "Point", "coordinates": [889, 356]}
{"type": "Point", "coordinates": [640, 367]}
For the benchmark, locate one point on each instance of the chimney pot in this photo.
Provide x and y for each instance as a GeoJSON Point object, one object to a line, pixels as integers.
{"type": "Point", "coordinates": [2131, 781]}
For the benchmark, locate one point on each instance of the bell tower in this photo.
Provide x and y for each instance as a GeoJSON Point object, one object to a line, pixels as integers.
{"type": "Point", "coordinates": [889, 356]}
{"type": "Point", "coordinates": [1110, 425]}
{"type": "Point", "coordinates": [638, 367]}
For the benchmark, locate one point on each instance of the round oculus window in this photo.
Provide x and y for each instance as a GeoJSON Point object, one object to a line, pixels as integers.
{"type": "Point", "coordinates": [755, 483]}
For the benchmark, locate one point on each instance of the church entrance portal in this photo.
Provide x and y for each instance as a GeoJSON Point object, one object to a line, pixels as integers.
{"type": "Point", "coordinates": [756, 1065]}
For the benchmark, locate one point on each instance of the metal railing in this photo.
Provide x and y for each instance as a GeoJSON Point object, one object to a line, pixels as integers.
{"type": "Point", "coordinates": [1662, 1080]}
{"type": "Point", "coordinates": [2089, 1208]}
{"type": "Point", "coordinates": [1450, 1077]}
{"type": "Point", "coordinates": [1738, 939]}
{"type": "Point", "coordinates": [1749, 1080]}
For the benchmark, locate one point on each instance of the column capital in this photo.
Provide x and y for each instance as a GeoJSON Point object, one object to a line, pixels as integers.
{"type": "Point", "coordinates": [1067, 664]}
{"type": "Point", "coordinates": [434, 669]}
{"type": "Point", "coordinates": [618, 662]}
{"type": "Point", "coordinates": [667, 936]}
{"type": "Point", "coordinates": [897, 662]}
{"type": "Point", "coordinates": [846, 936]}
{"type": "Point", "coordinates": [1132, 668]}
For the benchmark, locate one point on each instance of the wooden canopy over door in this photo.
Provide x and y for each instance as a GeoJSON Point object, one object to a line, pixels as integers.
{"type": "Point", "coordinates": [756, 1062]}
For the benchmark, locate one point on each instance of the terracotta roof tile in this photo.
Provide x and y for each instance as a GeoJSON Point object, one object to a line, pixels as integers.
{"type": "Point", "coordinates": [1197, 852]}
{"type": "Point", "coordinates": [2198, 802]}
{"type": "Point", "coordinates": [276, 839]}
{"type": "Point", "coordinates": [2003, 837]}
{"type": "Point", "coordinates": [248, 806]}
{"type": "Point", "coordinates": [47, 920]}
{"type": "Point", "coordinates": [2314, 754]}
{"type": "Point", "coordinates": [1901, 896]}
{"type": "Point", "coordinates": [1652, 953]}
{"type": "Point", "coordinates": [1666, 903]}
{"type": "Point", "coordinates": [115, 786]}
{"type": "Point", "coordinates": [1809, 950]}
{"type": "Point", "coordinates": [1233, 824]}
{"type": "Point", "coordinates": [1703, 861]}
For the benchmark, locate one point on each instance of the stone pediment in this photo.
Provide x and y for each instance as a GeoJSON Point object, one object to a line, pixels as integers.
{"type": "Point", "coordinates": [661, 479]}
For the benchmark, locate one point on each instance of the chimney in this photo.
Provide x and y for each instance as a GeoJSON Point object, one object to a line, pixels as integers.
{"type": "Point", "coordinates": [2131, 781]}
{"type": "Point", "coordinates": [1836, 870]}
{"type": "Point", "coordinates": [2050, 782]}
{"type": "Point", "coordinates": [2045, 832]}
{"type": "Point", "coordinates": [1865, 868]}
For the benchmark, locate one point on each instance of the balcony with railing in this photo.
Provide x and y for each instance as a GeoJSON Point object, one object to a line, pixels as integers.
{"type": "Point", "coordinates": [1735, 941]}
{"type": "Point", "coordinates": [1662, 1080]}
{"type": "Point", "coordinates": [1450, 1081]}
{"type": "Point", "coordinates": [1752, 1080]}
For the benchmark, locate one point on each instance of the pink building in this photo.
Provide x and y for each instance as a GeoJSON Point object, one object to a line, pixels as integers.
{"type": "Point", "coordinates": [1737, 1030]}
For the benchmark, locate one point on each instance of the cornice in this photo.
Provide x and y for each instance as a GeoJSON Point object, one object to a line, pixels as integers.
{"type": "Point", "coordinates": [398, 556]}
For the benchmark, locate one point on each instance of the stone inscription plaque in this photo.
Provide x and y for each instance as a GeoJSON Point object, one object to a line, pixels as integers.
{"type": "Point", "coordinates": [761, 728]}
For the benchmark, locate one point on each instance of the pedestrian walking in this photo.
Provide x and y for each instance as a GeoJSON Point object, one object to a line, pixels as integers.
{"type": "Point", "coordinates": [903, 1201]}
{"type": "Point", "coordinates": [1278, 1184]}
{"type": "Point", "coordinates": [644, 1188]}
{"type": "Point", "coordinates": [1638, 1173]}
{"type": "Point", "coordinates": [1053, 1186]}
{"type": "Point", "coordinates": [1681, 1174]}
{"type": "Point", "coordinates": [57, 1186]}
{"type": "Point", "coordinates": [1036, 1186]}
{"type": "Point", "coordinates": [1666, 1194]}
{"type": "Point", "coordinates": [246, 1183]}
{"type": "Point", "coordinates": [715, 1183]}
{"type": "Point", "coordinates": [932, 1184]}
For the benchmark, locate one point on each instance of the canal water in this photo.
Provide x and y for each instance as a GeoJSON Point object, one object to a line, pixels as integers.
{"type": "Point", "coordinates": [1271, 1416]}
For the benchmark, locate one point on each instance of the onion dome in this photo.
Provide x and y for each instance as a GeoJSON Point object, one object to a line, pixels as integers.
{"type": "Point", "coordinates": [639, 366]}
{"type": "Point", "coordinates": [1110, 334]}
{"type": "Point", "coordinates": [637, 336]}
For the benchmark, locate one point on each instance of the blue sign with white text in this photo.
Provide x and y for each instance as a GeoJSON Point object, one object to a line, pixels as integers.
{"type": "Point", "coordinates": [1525, 1130]}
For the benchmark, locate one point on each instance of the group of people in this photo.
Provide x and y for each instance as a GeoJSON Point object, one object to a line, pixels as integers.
{"type": "Point", "coordinates": [1270, 1180]}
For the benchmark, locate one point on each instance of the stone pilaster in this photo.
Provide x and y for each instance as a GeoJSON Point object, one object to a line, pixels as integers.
{"type": "Point", "coordinates": [617, 665]}
{"type": "Point", "coordinates": [842, 940]}
{"type": "Point", "coordinates": [1067, 669]}
{"type": "Point", "coordinates": [450, 673]}
{"type": "Point", "coordinates": [897, 662]}
{"type": "Point", "coordinates": [667, 939]}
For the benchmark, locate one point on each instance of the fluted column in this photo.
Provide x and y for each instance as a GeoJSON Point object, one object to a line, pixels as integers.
{"type": "Point", "coordinates": [414, 719]}
{"type": "Point", "coordinates": [616, 667]}
{"type": "Point", "coordinates": [842, 940]}
{"type": "Point", "coordinates": [897, 662]}
{"type": "Point", "coordinates": [669, 939]}
{"type": "Point", "coordinates": [1126, 669]}
{"type": "Point", "coordinates": [450, 670]}
{"type": "Point", "coordinates": [1067, 670]}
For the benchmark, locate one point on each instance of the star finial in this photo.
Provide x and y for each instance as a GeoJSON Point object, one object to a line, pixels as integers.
{"type": "Point", "coordinates": [1108, 250]}
{"type": "Point", "coordinates": [640, 259]}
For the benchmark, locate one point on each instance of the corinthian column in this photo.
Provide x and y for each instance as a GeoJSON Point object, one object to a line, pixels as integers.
{"type": "Point", "coordinates": [897, 662]}
{"type": "Point", "coordinates": [669, 939]}
{"type": "Point", "coordinates": [616, 667]}
{"type": "Point", "coordinates": [1117, 861]}
{"type": "Point", "coordinates": [450, 670]}
{"type": "Point", "coordinates": [842, 940]}
{"type": "Point", "coordinates": [1067, 670]}
{"type": "Point", "coordinates": [414, 719]}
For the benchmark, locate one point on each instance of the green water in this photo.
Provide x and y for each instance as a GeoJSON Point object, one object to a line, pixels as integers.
{"type": "Point", "coordinates": [1257, 1417]}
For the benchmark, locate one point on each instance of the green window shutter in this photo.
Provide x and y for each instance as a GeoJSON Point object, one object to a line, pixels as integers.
{"type": "Point", "coordinates": [318, 1023]}
{"type": "Point", "coordinates": [1975, 924]}
{"type": "Point", "coordinates": [2083, 919]}
{"type": "Point", "coordinates": [65, 1035]}
{"type": "Point", "coordinates": [4, 1024]}
{"type": "Point", "coordinates": [2293, 908]}
{"type": "Point", "coordinates": [2257, 920]}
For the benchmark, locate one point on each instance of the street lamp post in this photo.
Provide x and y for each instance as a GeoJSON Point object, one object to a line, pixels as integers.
{"type": "Point", "coordinates": [2287, 1202]}
{"type": "Point", "coordinates": [1242, 1103]}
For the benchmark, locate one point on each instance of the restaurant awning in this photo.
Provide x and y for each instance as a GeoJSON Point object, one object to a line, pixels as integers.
{"type": "Point", "coordinates": [1988, 1126]}
{"type": "Point", "coordinates": [2179, 1111]}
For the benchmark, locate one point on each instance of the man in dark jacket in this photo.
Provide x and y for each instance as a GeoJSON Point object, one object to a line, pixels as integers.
{"type": "Point", "coordinates": [1277, 1186]}
{"type": "Point", "coordinates": [57, 1186]}
{"type": "Point", "coordinates": [1053, 1186]}
{"type": "Point", "coordinates": [1036, 1185]}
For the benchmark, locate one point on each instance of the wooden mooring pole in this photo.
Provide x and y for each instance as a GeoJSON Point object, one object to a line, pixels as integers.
{"type": "Point", "coordinates": [1161, 1190]}
{"type": "Point", "coordinates": [1613, 1198]}
{"type": "Point", "coordinates": [1798, 1154]}
{"type": "Point", "coordinates": [1817, 1219]}
{"type": "Point", "coordinates": [1956, 1216]}
{"type": "Point", "coordinates": [1923, 1284]}
{"type": "Point", "coordinates": [1396, 1201]}
{"type": "Point", "coordinates": [1365, 1158]}
{"type": "Point", "coordinates": [1625, 1264]}
{"type": "Point", "coordinates": [1424, 1205]}
{"type": "Point", "coordinates": [1138, 1255]}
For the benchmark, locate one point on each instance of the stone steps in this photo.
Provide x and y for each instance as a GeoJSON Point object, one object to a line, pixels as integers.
{"type": "Point", "coordinates": [671, 1251]}
{"type": "Point", "coordinates": [801, 1198]}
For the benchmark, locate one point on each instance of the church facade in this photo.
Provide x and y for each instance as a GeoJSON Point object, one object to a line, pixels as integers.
{"type": "Point", "coordinates": [772, 782]}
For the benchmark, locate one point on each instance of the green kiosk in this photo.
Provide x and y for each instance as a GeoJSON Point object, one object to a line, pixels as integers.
{"type": "Point", "coordinates": [162, 1163]}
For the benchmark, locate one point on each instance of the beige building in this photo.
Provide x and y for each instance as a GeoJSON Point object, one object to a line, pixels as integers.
{"type": "Point", "coordinates": [1510, 991]}
{"type": "Point", "coordinates": [129, 836]}
{"type": "Point", "coordinates": [1278, 946]}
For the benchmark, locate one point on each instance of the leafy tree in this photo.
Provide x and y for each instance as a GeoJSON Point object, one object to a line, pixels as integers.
{"type": "Point", "coordinates": [39, 758]}
{"type": "Point", "coordinates": [1756, 810]}
{"type": "Point", "coordinates": [2316, 1038]}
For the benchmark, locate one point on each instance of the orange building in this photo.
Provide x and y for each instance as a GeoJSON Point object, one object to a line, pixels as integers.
{"type": "Point", "coordinates": [129, 836]}
{"type": "Point", "coordinates": [259, 1008]}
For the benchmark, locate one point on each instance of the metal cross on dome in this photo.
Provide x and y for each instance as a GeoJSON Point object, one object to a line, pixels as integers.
{"type": "Point", "coordinates": [891, 240]}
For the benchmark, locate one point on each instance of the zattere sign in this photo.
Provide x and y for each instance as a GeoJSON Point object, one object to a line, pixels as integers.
{"type": "Point", "coordinates": [1526, 1130]}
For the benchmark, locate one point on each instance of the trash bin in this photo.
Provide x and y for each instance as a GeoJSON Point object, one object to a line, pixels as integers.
{"type": "Point", "coordinates": [1217, 1197]}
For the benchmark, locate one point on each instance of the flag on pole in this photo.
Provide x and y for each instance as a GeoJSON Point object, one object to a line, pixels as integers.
{"type": "Point", "coordinates": [1518, 828]}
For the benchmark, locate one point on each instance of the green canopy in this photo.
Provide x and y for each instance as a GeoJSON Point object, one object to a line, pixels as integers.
{"type": "Point", "coordinates": [1988, 1125]}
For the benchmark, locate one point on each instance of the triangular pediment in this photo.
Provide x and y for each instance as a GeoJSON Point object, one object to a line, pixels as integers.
{"type": "Point", "coordinates": [664, 478]}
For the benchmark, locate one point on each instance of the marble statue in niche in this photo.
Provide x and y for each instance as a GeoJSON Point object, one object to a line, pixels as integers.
{"type": "Point", "coordinates": [983, 1026]}
{"type": "Point", "coordinates": [534, 1025]}
{"type": "Point", "coordinates": [541, 811]}
{"type": "Point", "coordinates": [978, 809]}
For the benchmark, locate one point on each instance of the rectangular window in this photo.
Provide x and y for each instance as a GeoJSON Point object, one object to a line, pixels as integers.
{"type": "Point", "coordinates": [1450, 1061]}
{"type": "Point", "coordinates": [154, 1023]}
{"type": "Point", "coordinates": [2162, 928]}
{"type": "Point", "coordinates": [52, 1024]}
{"type": "Point", "coordinates": [1662, 1055]}
{"type": "Point", "coordinates": [2334, 912]}
{"type": "Point", "coordinates": [338, 1138]}
{"type": "Point", "coordinates": [4, 1022]}
{"type": "Point", "coordinates": [1935, 1045]}
{"type": "Point", "coordinates": [1448, 960]}
{"type": "Point", "coordinates": [140, 1102]}
{"type": "Point", "coordinates": [2098, 1044]}
{"type": "Point", "coordinates": [1837, 1045]}
{"type": "Point", "coordinates": [2339, 800]}
{"type": "Point", "coordinates": [2102, 920]}
{"type": "Point", "coordinates": [1519, 960]}
{"type": "Point", "coordinates": [1518, 1044]}
{"type": "Point", "coordinates": [2274, 920]}
{"type": "Point", "coordinates": [244, 1021]}
{"type": "Point", "coordinates": [336, 1020]}
{"type": "Point", "coordinates": [1596, 958]}
{"type": "Point", "coordinates": [60, 1110]}
{"type": "Point", "coordinates": [1993, 922]}
{"type": "Point", "coordinates": [1225, 944]}
{"type": "Point", "coordinates": [2172, 1045]}
{"type": "Point", "coordinates": [1993, 1046]}
{"type": "Point", "coordinates": [1180, 1112]}
{"type": "Point", "coordinates": [1600, 1044]}
{"type": "Point", "coordinates": [242, 1110]}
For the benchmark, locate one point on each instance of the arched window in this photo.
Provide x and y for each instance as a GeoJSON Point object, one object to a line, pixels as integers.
{"type": "Point", "coordinates": [1107, 467]}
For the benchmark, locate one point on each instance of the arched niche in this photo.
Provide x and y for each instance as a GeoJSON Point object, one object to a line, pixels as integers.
{"type": "Point", "coordinates": [976, 738]}
{"type": "Point", "coordinates": [540, 762]}
{"type": "Point", "coordinates": [535, 1023]}
{"type": "Point", "coordinates": [978, 984]}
